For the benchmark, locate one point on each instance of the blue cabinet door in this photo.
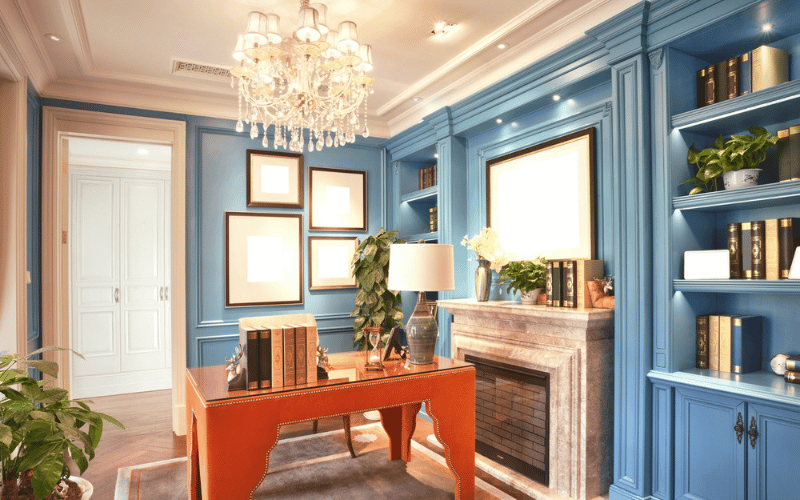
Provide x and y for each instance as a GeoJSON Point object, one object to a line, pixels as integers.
{"type": "Point", "coordinates": [772, 463]}
{"type": "Point", "coordinates": [709, 459]}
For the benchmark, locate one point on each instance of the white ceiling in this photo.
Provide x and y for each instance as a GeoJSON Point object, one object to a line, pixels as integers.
{"type": "Point", "coordinates": [121, 52]}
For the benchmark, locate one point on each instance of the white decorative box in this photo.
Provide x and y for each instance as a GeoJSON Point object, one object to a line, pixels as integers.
{"type": "Point", "coordinates": [706, 265]}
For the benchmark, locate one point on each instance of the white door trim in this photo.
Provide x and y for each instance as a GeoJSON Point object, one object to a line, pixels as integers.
{"type": "Point", "coordinates": [56, 124]}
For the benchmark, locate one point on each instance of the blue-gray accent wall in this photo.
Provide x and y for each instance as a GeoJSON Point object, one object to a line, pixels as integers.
{"type": "Point", "coordinates": [33, 212]}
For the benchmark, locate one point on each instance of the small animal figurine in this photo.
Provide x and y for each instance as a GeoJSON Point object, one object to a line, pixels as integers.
{"type": "Point", "coordinates": [237, 381]}
{"type": "Point", "coordinates": [322, 362]}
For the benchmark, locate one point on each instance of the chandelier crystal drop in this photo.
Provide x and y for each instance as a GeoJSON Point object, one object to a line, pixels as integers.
{"type": "Point", "coordinates": [312, 82]}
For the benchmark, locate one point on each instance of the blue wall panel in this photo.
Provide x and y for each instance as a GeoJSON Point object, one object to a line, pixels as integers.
{"type": "Point", "coordinates": [33, 211]}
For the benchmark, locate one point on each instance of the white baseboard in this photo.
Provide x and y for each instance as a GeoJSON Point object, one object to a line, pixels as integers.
{"type": "Point", "coordinates": [121, 383]}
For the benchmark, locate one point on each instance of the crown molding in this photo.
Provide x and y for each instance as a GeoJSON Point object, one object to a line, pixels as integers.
{"type": "Point", "coordinates": [78, 37]}
{"type": "Point", "coordinates": [22, 46]}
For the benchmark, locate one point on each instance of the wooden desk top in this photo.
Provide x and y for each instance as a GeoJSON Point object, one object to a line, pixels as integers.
{"type": "Point", "coordinates": [347, 367]}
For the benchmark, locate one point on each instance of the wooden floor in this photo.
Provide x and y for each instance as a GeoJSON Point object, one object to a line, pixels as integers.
{"type": "Point", "coordinates": [148, 437]}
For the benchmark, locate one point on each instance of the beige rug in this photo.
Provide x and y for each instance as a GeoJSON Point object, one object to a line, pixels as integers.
{"type": "Point", "coordinates": [318, 467]}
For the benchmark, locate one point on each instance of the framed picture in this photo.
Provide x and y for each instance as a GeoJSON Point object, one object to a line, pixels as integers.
{"type": "Point", "coordinates": [263, 259]}
{"type": "Point", "coordinates": [338, 199]}
{"type": "Point", "coordinates": [329, 262]}
{"type": "Point", "coordinates": [541, 200]}
{"type": "Point", "coordinates": [274, 179]}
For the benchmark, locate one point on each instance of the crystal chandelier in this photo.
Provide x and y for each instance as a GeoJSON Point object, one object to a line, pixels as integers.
{"type": "Point", "coordinates": [314, 79]}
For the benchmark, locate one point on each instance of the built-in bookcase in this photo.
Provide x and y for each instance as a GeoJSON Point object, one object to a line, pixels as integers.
{"type": "Point", "coordinates": [413, 213]}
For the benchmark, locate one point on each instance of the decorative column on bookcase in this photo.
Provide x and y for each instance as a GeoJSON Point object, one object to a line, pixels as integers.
{"type": "Point", "coordinates": [452, 184]}
{"type": "Point", "coordinates": [625, 38]}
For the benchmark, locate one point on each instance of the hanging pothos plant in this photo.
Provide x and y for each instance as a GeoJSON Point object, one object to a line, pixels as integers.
{"type": "Point", "coordinates": [375, 304]}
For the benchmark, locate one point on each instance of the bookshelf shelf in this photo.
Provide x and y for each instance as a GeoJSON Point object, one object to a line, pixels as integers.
{"type": "Point", "coordinates": [427, 237]}
{"type": "Point", "coordinates": [423, 195]}
{"type": "Point", "coordinates": [737, 286]}
{"type": "Point", "coordinates": [764, 196]}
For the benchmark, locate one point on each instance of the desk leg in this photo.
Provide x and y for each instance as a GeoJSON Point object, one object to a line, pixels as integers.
{"type": "Point", "coordinates": [193, 458]}
{"type": "Point", "coordinates": [399, 423]}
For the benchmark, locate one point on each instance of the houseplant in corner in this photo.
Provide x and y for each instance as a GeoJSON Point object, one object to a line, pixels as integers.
{"type": "Point", "coordinates": [527, 276]}
{"type": "Point", "coordinates": [39, 427]}
{"type": "Point", "coordinates": [736, 159]}
{"type": "Point", "coordinates": [490, 257]}
{"type": "Point", "coordinates": [376, 305]}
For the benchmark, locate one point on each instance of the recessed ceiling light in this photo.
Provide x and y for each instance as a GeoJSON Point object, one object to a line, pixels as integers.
{"type": "Point", "coordinates": [442, 28]}
{"type": "Point", "coordinates": [142, 151]}
{"type": "Point", "coordinates": [556, 97]}
{"type": "Point", "coordinates": [54, 38]}
{"type": "Point", "coordinates": [502, 46]}
{"type": "Point", "coordinates": [499, 120]}
{"type": "Point", "coordinates": [416, 99]}
{"type": "Point", "coordinates": [766, 27]}
{"type": "Point", "coordinates": [435, 155]}
{"type": "Point", "coordinates": [571, 102]}
{"type": "Point", "coordinates": [514, 124]}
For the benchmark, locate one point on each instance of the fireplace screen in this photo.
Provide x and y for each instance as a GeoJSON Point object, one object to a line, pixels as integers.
{"type": "Point", "coordinates": [512, 421]}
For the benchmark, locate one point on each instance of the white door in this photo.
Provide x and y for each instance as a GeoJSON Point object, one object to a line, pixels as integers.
{"type": "Point", "coordinates": [120, 283]}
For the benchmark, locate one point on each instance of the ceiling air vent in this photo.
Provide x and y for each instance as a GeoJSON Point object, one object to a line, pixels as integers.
{"type": "Point", "coordinates": [200, 70]}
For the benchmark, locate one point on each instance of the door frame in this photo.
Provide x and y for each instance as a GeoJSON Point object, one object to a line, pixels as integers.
{"type": "Point", "coordinates": [58, 123]}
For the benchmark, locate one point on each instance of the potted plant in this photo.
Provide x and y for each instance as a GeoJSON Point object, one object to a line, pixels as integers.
{"type": "Point", "coordinates": [525, 276]}
{"type": "Point", "coordinates": [490, 257]}
{"type": "Point", "coordinates": [39, 427]}
{"type": "Point", "coordinates": [376, 305]}
{"type": "Point", "coordinates": [736, 159]}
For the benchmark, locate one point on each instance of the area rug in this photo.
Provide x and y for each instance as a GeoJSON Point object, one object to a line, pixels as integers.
{"type": "Point", "coordinates": [319, 467]}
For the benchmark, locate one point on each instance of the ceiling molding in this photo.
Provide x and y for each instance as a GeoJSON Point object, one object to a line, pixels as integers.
{"type": "Point", "coordinates": [78, 37]}
{"type": "Point", "coordinates": [518, 57]}
{"type": "Point", "coordinates": [22, 47]}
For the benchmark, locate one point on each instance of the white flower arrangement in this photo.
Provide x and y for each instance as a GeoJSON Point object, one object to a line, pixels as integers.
{"type": "Point", "coordinates": [487, 246]}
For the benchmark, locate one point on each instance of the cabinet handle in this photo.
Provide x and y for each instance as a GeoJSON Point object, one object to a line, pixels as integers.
{"type": "Point", "coordinates": [161, 293]}
{"type": "Point", "coordinates": [116, 295]}
{"type": "Point", "coordinates": [753, 432]}
{"type": "Point", "coordinates": [739, 428]}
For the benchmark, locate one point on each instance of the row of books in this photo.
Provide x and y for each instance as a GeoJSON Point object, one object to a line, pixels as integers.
{"type": "Point", "coordinates": [788, 147]}
{"type": "Point", "coordinates": [792, 373]}
{"type": "Point", "coordinates": [762, 249]}
{"type": "Point", "coordinates": [565, 282]}
{"type": "Point", "coordinates": [280, 356]}
{"type": "Point", "coordinates": [433, 219]}
{"type": "Point", "coordinates": [728, 343]}
{"type": "Point", "coordinates": [427, 177]}
{"type": "Point", "coordinates": [752, 71]}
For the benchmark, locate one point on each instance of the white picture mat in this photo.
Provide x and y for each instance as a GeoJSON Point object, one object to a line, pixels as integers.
{"type": "Point", "coordinates": [284, 187]}
{"type": "Point", "coordinates": [329, 265]}
{"type": "Point", "coordinates": [337, 199]}
{"type": "Point", "coordinates": [281, 242]}
{"type": "Point", "coordinates": [541, 202]}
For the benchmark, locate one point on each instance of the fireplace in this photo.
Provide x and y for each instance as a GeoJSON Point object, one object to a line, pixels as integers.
{"type": "Point", "coordinates": [574, 349]}
{"type": "Point", "coordinates": [511, 417]}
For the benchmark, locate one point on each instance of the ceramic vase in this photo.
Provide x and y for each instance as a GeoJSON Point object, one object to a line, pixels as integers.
{"type": "Point", "coordinates": [483, 280]}
{"type": "Point", "coordinates": [529, 298]}
{"type": "Point", "coordinates": [741, 178]}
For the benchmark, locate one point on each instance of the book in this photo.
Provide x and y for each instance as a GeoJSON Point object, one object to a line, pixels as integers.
{"type": "Point", "coordinates": [721, 85]}
{"type": "Point", "coordinates": [701, 352]}
{"type": "Point", "coordinates": [783, 149]}
{"type": "Point", "coordinates": [732, 75]}
{"type": "Point", "coordinates": [769, 66]}
{"type": "Point", "coordinates": [746, 246]}
{"type": "Point", "coordinates": [289, 373]}
{"type": "Point", "coordinates": [745, 74]}
{"type": "Point", "coordinates": [725, 321]}
{"type": "Point", "coordinates": [557, 282]}
{"type": "Point", "coordinates": [300, 350]}
{"type": "Point", "coordinates": [793, 363]}
{"type": "Point", "coordinates": [771, 249]}
{"type": "Point", "coordinates": [701, 88]}
{"type": "Point", "coordinates": [759, 261]}
{"type": "Point", "coordinates": [249, 361]}
{"type": "Point", "coordinates": [745, 344]}
{"type": "Point", "coordinates": [569, 272]}
{"type": "Point", "coordinates": [588, 270]}
{"type": "Point", "coordinates": [792, 377]}
{"type": "Point", "coordinates": [792, 167]}
{"type": "Point", "coordinates": [710, 85]}
{"type": "Point", "coordinates": [548, 283]}
{"type": "Point", "coordinates": [312, 341]}
{"type": "Point", "coordinates": [276, 332]}
{"type": "Point", "coordinates": [713, 342]}
{"type": "Point", "coordinates": [787, 242]}
{"type": "Point", "coordinates": [264, 358]}
{"type": "Point", "coordinates": [735, 249]}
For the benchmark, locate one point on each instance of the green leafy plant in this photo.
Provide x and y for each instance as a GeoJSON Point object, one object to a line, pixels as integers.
{"type": "Point", "coordinates": [728, 155]}
{"type": "Point", "coordinates": [376, 305]}
{"type": "Point", "coordinates": [524, 275]}
{"type": "Point", "coordinates": [39, 424]}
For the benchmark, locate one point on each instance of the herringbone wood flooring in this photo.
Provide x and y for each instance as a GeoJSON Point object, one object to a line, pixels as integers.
{"type": "Point", "coordinates": [148, 437]}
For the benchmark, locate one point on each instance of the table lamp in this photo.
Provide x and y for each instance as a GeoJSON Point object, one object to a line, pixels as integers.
{"type": "Point", "coordinates": [421, 267]}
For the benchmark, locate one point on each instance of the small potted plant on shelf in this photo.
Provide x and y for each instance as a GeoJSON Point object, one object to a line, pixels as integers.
{"type": "Point", "coordinates": [39, 428]}
{"type": "Point", "coordinates": [735, 159]}
{"type": "Point", "coordinates": [527, 276]}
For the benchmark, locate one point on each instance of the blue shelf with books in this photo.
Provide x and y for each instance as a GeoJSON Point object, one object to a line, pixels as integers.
{"type": "Point", "coordinates": [737, 286]}
{"type": "Point", "coordinates": [428, 194]}
{"type": "Point", "coordinates": [775, 194]}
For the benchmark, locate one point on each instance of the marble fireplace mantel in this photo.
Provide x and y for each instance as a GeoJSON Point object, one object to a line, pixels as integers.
{"type": "Point", "coordinates": [576, 348]}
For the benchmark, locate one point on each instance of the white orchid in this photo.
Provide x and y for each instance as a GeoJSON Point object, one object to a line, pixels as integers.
{"type": "Point", "coordinates": [487, 246]}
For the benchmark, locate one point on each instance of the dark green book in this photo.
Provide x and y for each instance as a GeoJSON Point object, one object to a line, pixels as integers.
{"type": "Point", "coordinates": [758, 250]}
{"type": "Point", "coordinates": [721, 82]}
{"type": "Point", "coordinates": [701, 343]}
{"type": "Point", "coordinates": [735, 249]}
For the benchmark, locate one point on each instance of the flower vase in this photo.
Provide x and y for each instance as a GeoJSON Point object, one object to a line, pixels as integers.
{"type": "Point", "coordinates": [483, 280]}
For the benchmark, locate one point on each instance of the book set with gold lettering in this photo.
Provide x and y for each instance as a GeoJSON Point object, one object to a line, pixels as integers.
{"type": "Point", "coordinates": [279, 356]}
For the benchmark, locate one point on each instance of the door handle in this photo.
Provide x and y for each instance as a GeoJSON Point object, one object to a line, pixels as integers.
{"type": "Point", "coordinates": [161, 293]}
{"type": "Point", "coordinates": [166, 293]}
{"type": "Point", "coordinates": [116, 295]}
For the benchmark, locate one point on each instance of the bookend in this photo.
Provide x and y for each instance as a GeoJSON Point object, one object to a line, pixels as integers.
{"type": "Point", "coordinates": [393, 345]}
{"type": "Point", "coordinates": [237, 379]}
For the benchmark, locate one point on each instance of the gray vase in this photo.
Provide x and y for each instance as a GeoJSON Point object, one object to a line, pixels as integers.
{"type": "Point", "coordinates": [483, 280]}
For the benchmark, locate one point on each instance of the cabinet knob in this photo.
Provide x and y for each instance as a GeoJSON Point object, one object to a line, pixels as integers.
{"type": "Point", "coordinates": [739, 428]}
{"type": "Point", "coordinates": [753, 432]}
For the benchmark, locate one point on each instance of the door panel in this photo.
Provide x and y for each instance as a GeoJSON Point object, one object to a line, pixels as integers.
{"type": "Point", "coordinates": [772, 463]}
{"type": "Point", "coordinates": [709, 460]}
{"type": "Point", "coordinates": [96, 343]}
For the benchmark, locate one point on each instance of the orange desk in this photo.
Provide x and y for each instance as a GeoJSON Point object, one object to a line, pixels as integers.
{"type": "Point", "coordinates": [231, 434]}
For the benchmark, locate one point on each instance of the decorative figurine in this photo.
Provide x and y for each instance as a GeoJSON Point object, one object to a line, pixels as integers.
{"type": "Point", "coordinates": [237, 381]}
{"type": "Point", "coordinates": [322, 363]}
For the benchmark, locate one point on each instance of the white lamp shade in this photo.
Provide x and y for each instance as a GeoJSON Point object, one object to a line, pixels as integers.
{"type": "Point", "coordinates": [420, 267]}
{"type": "Point", "coordinates": [348, 38]}
{"type": "Point", "coordinates": [365, 53]}
{"type": "Point", "coordinates": [273, 24]}
{"type": "Point", "coordinates": [256, 28]}
{"type": "Point", "coordinates": [308, 30]}
{"type": "Point", "coordinates": [322, 16]}
{"type": "Point", "coordinates": [238, 52]}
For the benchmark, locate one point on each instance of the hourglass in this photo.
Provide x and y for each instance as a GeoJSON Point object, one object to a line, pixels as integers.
{"type": "Point", "coordinates": [374, 358]}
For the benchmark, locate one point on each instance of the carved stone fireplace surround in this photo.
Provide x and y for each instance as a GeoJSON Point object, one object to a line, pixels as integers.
{"type": "Point", "coordinates": [576, 348]}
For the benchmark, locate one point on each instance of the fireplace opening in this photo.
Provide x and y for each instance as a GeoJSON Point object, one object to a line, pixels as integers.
{"type": "Point", "coordinates": [512, 417]}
